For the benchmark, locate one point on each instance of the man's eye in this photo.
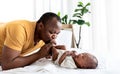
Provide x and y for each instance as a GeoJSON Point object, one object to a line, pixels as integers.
{"type": "Point", "coordinates": [57, 33]}
{"type": "Point", "coordinates": [50, 32]}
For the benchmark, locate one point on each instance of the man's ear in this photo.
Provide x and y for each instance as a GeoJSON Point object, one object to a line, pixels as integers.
{"type": "Point", "coordinates": [40, 26]}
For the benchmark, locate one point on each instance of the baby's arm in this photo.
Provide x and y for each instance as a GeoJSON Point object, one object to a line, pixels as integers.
{"type": "Point", "coordinates": [67, 53]}
{"type": "Point", "coordinates": [54, 54]}
{"type": "Point", "coordinates": [62, 47]}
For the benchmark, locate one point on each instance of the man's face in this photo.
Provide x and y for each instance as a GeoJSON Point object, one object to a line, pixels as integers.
{"type": "Point", "coordinates": [51, 30]}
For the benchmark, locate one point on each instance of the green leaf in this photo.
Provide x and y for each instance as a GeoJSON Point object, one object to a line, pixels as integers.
{"type": "Point", "coordinates": [63, 22]}
{"type": "Point", "coordinates": [84, 10]}
{"type": "Point", "coordinates": [88, 4]}
{"type": "Point", "coordinates": [87, 23]}
{"type": "Point", "coordinates": [80, 22]}
{"type": "Point", "coordinates": [64, 19]}
{"type": "Point", "coordinates": [76, 10]}
{"type": "Point", "coordinates": [74, 21]}
{"type": "Point", "coordinates": [80, 4]}
{"type": "Point", "coordinates": [77, 14]}
{"type": "Point", "coordinates": [70, 22]}
{"type": "Point", "coordinates": [58, 14]}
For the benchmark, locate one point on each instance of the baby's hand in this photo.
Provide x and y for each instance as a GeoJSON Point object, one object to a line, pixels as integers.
{"type": "Point", "coordinates": [73, 53]}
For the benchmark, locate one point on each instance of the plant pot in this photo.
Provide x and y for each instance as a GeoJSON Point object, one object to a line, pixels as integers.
{"type": "Point", "coordinates": [66, 26]}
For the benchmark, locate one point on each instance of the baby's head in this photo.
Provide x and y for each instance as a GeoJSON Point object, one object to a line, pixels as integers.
{"type": "Point", "coordinates": [85, 61]}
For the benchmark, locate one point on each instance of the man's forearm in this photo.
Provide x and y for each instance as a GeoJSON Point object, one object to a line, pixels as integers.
{"type": "Point", "coordinates": [11, 59]}
{"type": "Point", "coordinates": [21, 61]}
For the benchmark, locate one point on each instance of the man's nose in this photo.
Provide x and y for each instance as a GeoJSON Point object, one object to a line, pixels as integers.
{"type": "Point", "coordinates": [54, 36]}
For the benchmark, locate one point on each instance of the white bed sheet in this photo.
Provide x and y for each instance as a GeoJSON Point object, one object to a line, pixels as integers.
{"type": "Point", "coordinates": [46, 66]}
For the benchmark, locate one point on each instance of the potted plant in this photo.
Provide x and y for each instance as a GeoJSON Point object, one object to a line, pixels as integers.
{"type": "Point", "coordinates": [79, 12]}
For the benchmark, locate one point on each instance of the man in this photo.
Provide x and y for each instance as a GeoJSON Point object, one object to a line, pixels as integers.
{"type": "Point", "coordinates": [21, 37]}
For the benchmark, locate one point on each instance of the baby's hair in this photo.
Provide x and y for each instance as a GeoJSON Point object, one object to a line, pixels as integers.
{"type": "Point", "coordinates": [91, 61]}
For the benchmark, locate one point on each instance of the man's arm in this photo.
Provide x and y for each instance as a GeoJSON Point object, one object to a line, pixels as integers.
{"type": "Point", "coordinates": [11, 59]}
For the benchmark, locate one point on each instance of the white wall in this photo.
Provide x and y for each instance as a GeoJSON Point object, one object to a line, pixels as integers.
{"type": "Point", "coordinates": [106, 30]}
{"type": "Point", "coordinates": [16, 9]}
{"type": "Point", "coordinates": [62, 6]}
{"type": "Point", "coordinates": [113, 22]}
{"type": "Point", "coordinates": [99, 26]}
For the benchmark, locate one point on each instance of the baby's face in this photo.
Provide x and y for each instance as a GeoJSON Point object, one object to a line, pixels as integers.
{"type": "Point", "coordinates": [80, 60]}
{"type": "Point", "coordinates": [84, 60]}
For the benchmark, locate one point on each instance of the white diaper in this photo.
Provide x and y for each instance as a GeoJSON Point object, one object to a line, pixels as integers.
{"type": "Point", "coordinates": [68, 62]}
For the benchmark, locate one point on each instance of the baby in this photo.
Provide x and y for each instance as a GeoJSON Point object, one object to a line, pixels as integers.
{"type": "Point", "coordinates": [70, 59]}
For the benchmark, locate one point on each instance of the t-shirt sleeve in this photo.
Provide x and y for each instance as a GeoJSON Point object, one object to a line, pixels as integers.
{"type": "Point", "coordinates": [15, 37]}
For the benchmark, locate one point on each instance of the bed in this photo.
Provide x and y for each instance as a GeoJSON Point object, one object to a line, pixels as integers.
{"type": "Point", "coordinates": [46, 66]}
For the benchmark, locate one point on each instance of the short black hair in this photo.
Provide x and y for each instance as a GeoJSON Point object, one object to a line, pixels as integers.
{"type": "Point", "coordinates": [48, 16]}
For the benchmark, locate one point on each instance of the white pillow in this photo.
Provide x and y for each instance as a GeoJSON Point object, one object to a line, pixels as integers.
{"type": "Point", "coordinates": [65, 38]}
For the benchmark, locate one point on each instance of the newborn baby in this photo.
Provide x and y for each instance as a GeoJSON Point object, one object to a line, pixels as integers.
{"type": "Point", "coordinates": [70, 59]}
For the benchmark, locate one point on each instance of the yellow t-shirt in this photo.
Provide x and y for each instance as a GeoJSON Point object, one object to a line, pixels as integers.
{"type": "Point", "coordinates": [19, 35]}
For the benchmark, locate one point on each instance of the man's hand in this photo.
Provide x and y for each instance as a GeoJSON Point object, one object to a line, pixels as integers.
{"type": "Point", "coordinates": [53, 42]}
{"type": "Point", "coordinates": [44, 51]}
